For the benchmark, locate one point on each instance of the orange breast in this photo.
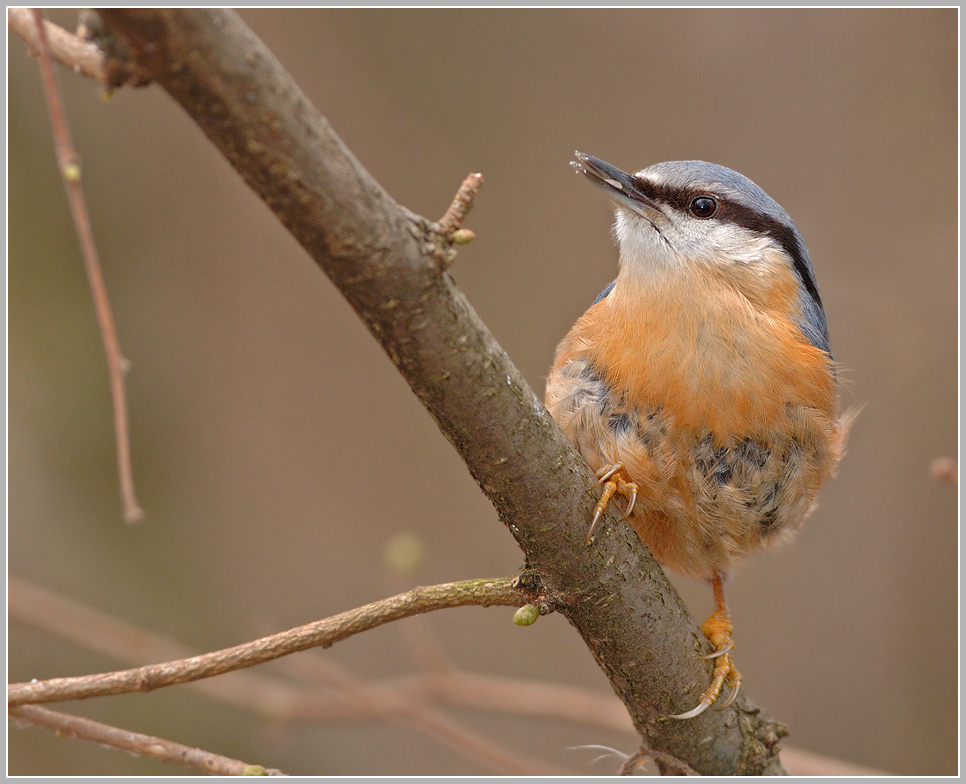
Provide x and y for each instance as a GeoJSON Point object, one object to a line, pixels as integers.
{"type": "Point", "coordinates": [705, 354]}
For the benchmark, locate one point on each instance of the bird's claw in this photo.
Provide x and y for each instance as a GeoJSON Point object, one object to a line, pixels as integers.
{"type": "Point", "coordinates": [718, 631]}
{"type": "Point", "coordinates": [593, 524]}
{"type": "Point", "coordinates": [709, 697]}
{"type": "Point", "coordinates": [632, 489]}
{"type": "Point", "coordinates": [696, 711]}
{"type": "Point", "coordinates": [722, 652]}
{"type": "Point", "coordinates": [735, 688]}
{"type": "Point", "coordinates": [609, 477]}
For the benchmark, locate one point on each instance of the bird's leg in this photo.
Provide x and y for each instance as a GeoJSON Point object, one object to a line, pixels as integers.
{"type": "Point", "coordinates": [718, 631]}
{"type": "Point", "coordinates": [612, 481]}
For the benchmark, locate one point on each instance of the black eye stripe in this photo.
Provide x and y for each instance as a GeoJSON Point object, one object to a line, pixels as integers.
{"type": "Point", "coordinates": [751, 219]}
{"type": "Point", "coordinates": [740, 215]}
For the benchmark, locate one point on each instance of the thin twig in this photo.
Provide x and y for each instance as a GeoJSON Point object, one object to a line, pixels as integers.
{"type": "Point", "coordinates": [449, 229]}
{"type": "Point", "coordinates": [462, 204]}
{"type": "Point", "coordinates": [77, 52]}
{"type": "Point", "coordinates": [517, 696]}
{"type": "Point", "coordinates": [281, 701]}
{"type": "Point", "coordinates": [81, 56]}
{"type": "Point", "coordinates": [272, 697]}
{"type": "Point", "coordinates": [326, 632]}
{"type": "Point", "coordinates": [116, 364]}
{"type": "Point", "coordinates": [410, 711]}
{"type": "Point", "coordinates": [425, 648]}
{"type": "Point", "coordinates": [136, 743]}
{"type": "Point", "coordinates": [97, 631]}
{"type": "Point", "coordinates": [667, 761]}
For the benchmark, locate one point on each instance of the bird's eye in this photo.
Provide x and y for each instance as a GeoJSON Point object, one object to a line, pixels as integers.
{"type": "Point", "coordinates": [703, 206]}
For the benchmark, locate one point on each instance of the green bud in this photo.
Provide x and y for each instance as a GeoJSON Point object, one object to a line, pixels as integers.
{"type": "Point", "coordinates": [526, 615]}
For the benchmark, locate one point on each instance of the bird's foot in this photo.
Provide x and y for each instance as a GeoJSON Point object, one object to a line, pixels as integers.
{"type": "Point", "coordinates": [613, 482]}
{"type": "Point", "coordinates": [718, 631]}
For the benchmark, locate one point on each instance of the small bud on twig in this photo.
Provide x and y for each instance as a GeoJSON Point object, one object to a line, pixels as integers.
{"type": "Point", "coordinates": [526, 615]}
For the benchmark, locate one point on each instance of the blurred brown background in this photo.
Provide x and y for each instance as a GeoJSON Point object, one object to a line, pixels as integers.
{"type": "Point", "coordinates": [277, 451]}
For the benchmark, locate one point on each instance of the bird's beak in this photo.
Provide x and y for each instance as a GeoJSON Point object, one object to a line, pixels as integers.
{"type": "Point", "coordinates": [624, 188]}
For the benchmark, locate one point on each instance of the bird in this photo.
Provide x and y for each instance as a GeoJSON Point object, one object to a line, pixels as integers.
{"type": "Point", "coordinates": [700, 385]}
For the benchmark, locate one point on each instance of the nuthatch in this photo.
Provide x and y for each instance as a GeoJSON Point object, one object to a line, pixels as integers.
{"type": "Point", "coordinates": [700, 385]}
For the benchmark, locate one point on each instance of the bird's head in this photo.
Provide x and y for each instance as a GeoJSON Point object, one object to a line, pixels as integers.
{"type": "Point", "coordinates": [702, 218]}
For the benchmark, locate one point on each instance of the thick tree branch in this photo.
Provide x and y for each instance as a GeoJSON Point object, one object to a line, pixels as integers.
{"type": "Point", "coordinates": [380, 256]}
{"type": "Point", "coordinates": [501, 591]}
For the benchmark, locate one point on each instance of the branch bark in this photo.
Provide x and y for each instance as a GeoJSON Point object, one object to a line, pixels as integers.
{"type": "Point", "coordinates": [385, 260]}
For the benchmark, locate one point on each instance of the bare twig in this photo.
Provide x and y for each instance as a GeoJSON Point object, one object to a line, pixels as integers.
{"type": "Point", "coordinates": [78, 623]}
{"type": "Point", "coordinates": [136, 743]}
{"type": "Point", "coordinates": [70, 620]}
{"type": "Point", "coordinates": [282, 701]}
{"type": "Point", "coordinates": [449, 229]}
{"type": "Point", "coordinates": [410, 711]}
{"type": "Point", "coordinates": [117, 366]}
{"type": "Point", "coordinates": [666, 761]}
{"type": "Point", "coordinates": [81, 56]}
{"type": "Point", "coordinates": [272, 697]}
{"type": "Point", "coordinates": [462, 204]}
{"type": "Point", "coordinates": [516, 696]}
{"type": "Point", "coordinates": [97, 631]}
{"type": "Point", "coordinates": [501, 591]}
{"type": "Point", "coordinates": [425, 648]}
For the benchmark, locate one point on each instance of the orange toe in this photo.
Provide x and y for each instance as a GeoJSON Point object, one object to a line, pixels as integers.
{"type": "Point", "coordinates": [612, 482]}
{"type": "Point", "coordinates": [718, 630]}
